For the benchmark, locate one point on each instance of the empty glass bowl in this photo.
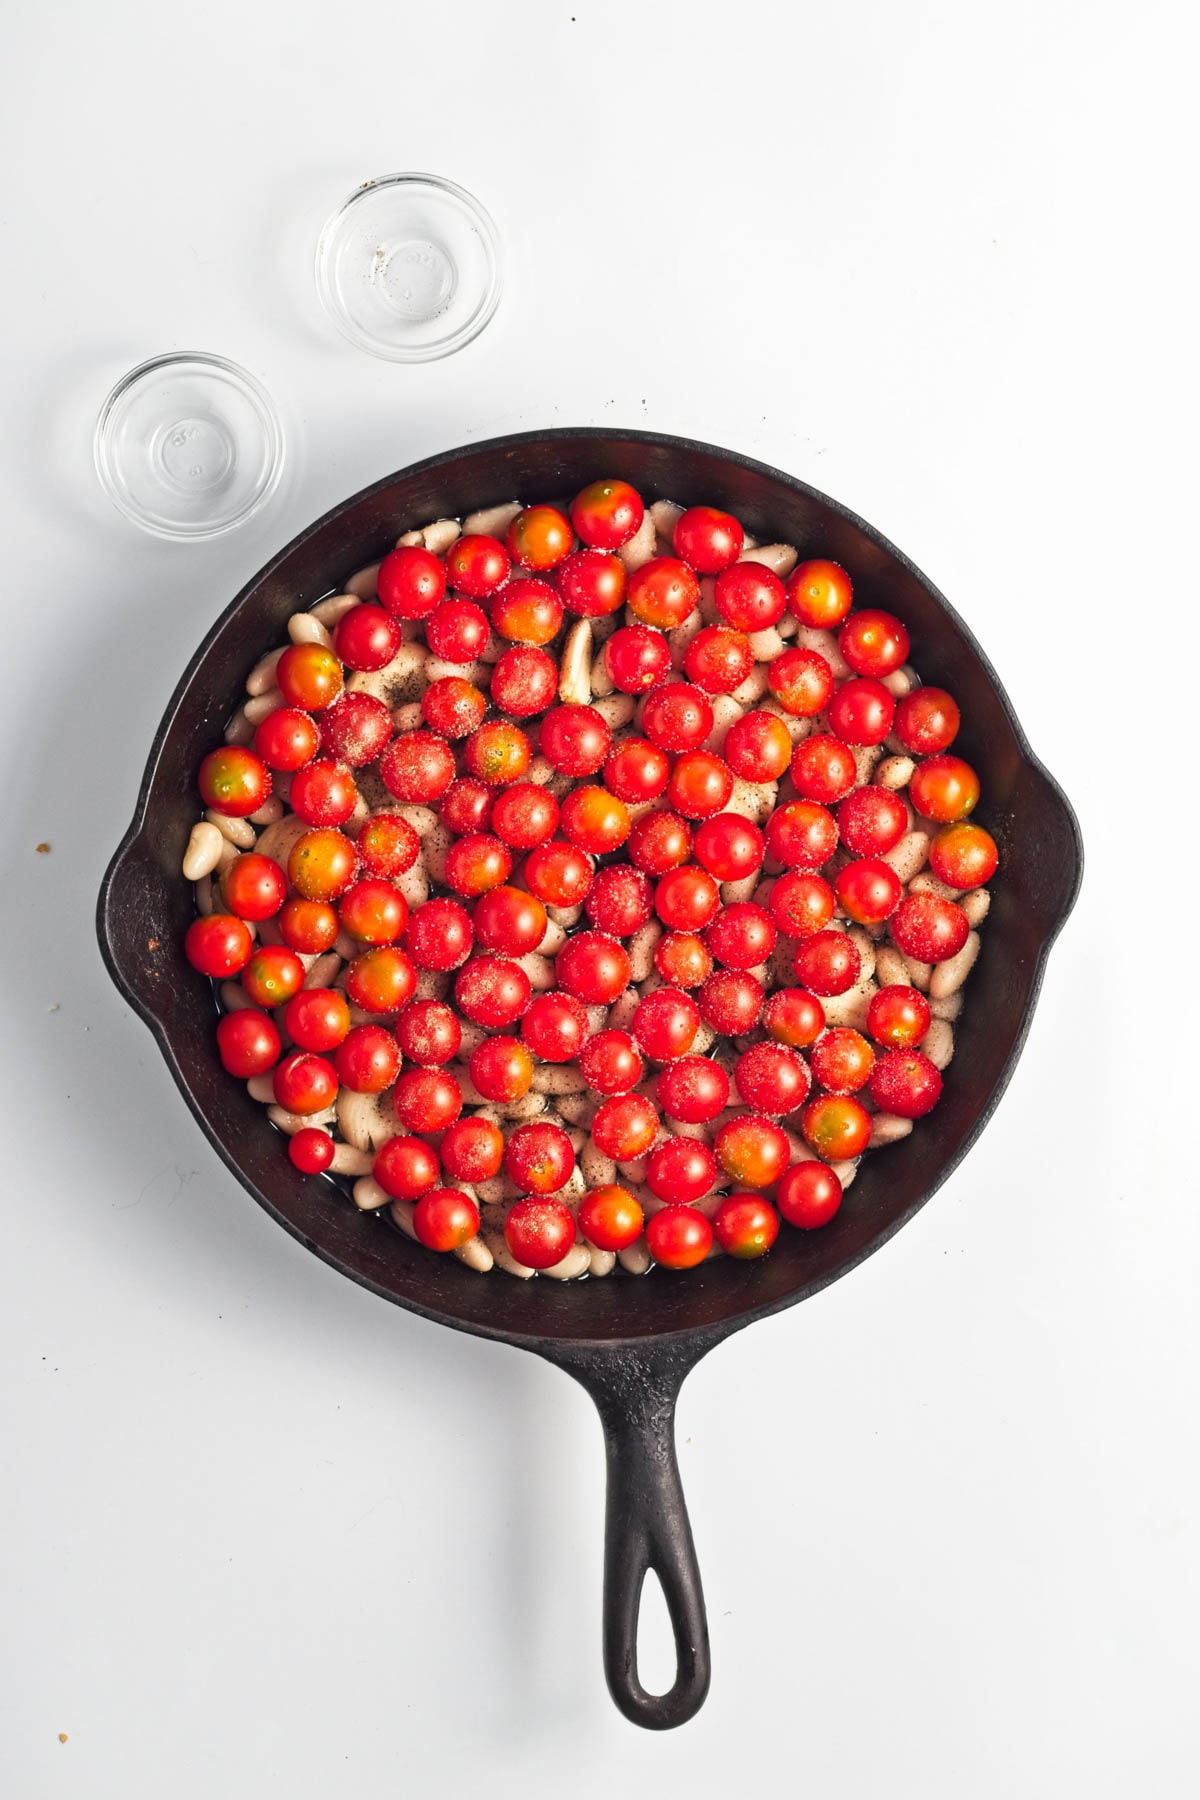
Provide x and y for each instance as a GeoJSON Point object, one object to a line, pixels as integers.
{"type": "Point", "coordinates": [409, 267]}
{"type": "Point", "coordinates": [188, 445]}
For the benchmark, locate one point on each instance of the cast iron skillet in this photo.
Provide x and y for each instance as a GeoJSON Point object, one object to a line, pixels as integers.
{"type": "Point", "coordinates": [629, 1342]}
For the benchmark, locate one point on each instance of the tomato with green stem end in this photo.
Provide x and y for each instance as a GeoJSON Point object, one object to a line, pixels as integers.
{"type": "Point", "coordinates": [808, 1195]}
{"type": "Point", "coordinates": [944, 789]}
{"type": "Point", "coordinates": [842, 1060]}
{"type": "Point", "coordinates": [625, 1127]}
{"type": "Point", "coordinates": [287, 739]}
{"type": "Point", "coordinates": [417, 767]}
{"type": "Point", "coordinates": [873, 642]}
{"type": "Point", "coordinates": [445, 1219]}
{"type": "Point", "coordinates": [750, 597]}
{"type": "Point", "coordinates": [752, 1150]}
{"type": "Point", "coordinates": [963, 856]}
{"type": "Point", "coordinates": [501, 1068]}
{"type": "Point", "coordinates": [253, 886]}
{"type": "Point", "coordinates": [802, 682]}
{"type": "Point", "coordinates": [381, 980]}
{"type": "Point", "coordinates": [610, 1218]}
{"type": "Point", "coordinates": [317, 1019]}
{"type": "Point", "coordinates": [411, 582]}
{"type": "Point", "coordinates": [819, 593]}
{"type": "Point", "coordinates": [592, 583]}
{"type": "Point", "coordinates": [405, 1168]}
{"type": "Point", "coordinates": [836, 1126]}
{"type": "Point", "coordinates": [606, 514]}
{"type": "Point", "coordinates": [309, 676]}
{"type": "Point", "coordinates": [248, 1042]}
{"type": "Point", "coordinates": [498, 752]}
{"type": "Point", "coordinates": [555, 1026]}
{"type": "Point", "coordinates": [539, 1232]}
{"type": "Point", "coordinates": [304, 1083]}
{"type": "Point", "coordinates": [663, 592]}
{"type": "Point", "coordinates": [476, 565]}
{"type": "Point", "coordinates": [611, 1063]}
{"type": "Point", "coordinates": [273, 974]}
{"type": "Point", "coordinates": [707, 539]}
{"type": "Point", "coordinates": [322, 864]}
{"type": "Point", "coordinates": [679, 1237]}
{"type": "Point", "coordinates": [473, 1149]}
{"type": "Point", "coordinates": [745, 1226]}
{"type": "Point", "coordinates": [793, 1016]}
{"type": "Point", "coordinates": [539, 537]}
{"type": "Point", "coordinates": [311, 1150]}
{"type": "Point", "coordinates": [234, 781]}
{"type": "Point", "coordinates": [898, 1016]}
{"type": "Point", "coordinates": [367, 1059]}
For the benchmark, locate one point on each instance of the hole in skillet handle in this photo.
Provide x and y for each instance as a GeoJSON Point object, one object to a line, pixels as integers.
{"type": "Point", "coordinates": [646, 1524]}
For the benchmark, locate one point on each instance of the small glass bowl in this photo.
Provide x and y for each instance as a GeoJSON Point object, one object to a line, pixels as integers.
{"type": "Point", "coordinates": [408, 267]}
{"type": "Point", "coordinates": [188, 445]}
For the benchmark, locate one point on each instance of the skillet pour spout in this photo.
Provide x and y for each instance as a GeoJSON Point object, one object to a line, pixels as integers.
{"type": "Point", "coordinates": [628, 1341]}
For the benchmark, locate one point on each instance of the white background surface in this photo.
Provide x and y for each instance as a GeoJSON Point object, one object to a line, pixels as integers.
{"type": "Point", "coordinates": [263, 1534]}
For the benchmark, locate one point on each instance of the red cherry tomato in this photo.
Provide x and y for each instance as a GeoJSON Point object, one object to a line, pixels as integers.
{"type": "Point", "coordinates": [819, 593]}
{"type": "Point", "coordinates": [273, 974]}
{"type": "Point", "coordinates": [753, 1150]}
{"type": "Point", "coordinates": [405, 1168]}
{"type": "Point", "coordinates": [287, 739]}
{"type": "Point", "coordinates": [254, 887]}
{"type": "Point", "coordinates": [707, 539]}
{"type": "Point", "coordinates": [663, 592]}
{"type": "Point", "coordinates": [873, 642]}
{"type": "Point", "coordinates": [439, 934]}
{"type": "Point", "coordinates": [906, 1083]}
{"type": "Point", "coordinates": [745, 1225]}
{"type": "Point", "coordinates": [665, 1024]}
{"type": "Point", "coordinates": [701, 784]}
{"type": "Point", "coordinates": [472, 1149]}
{"type": "Point", "coordinates": [606, 514]}
{"type": "Point", "coordinates": [801, 903]}
{"type": "Point", "coordinates": [610, 1062]}
{"type": "Point", "coordinates": [323, 793]}
{"type": "Point", "coordinates": [683, 959]}
{"type": "Point", "coordinates": [427, 1100]}
{"type": "Point", "coordinates": [373, 911]}
{"type": "Point", "coordinates": [317, 1019]}
{"type": "Point", "coordinates": [575, 739]}
{"type": "Point", "coordinates": [659, 841]}
{"type": "Point", "coordinates": [417, 767]}
{"type": "Point", "coordinates": [928, 928]}
{"type": "Point", "coordinates": [558, 874]}
{"type": "Point", "coordinates": [501, 1068]}
{"type": "Point", "coordinates": [729, 847]}
{"type": "Point", "coordinates": [679, 1237]}
{"type": "Point", "coordinates": [750, 597]}
{"type": "Point", "coordinates": [801, 681]}
{"type": "Point", "coordinates": [927, 721]}
{"type": "Point", "coordinates": [309, 676]}
{"type": "Point", "coordinates": [248, 1042]}
{"type": "Point", "coordinates": [233, 781]}
{"type": "Point", "coordinates": [304, 1083]}
{"type": "Point", "coordinates": [801, 835]}
{"type": "Point", "coordinates": [636, 658]}
{"type": "Point", "coordinates": [445, 1219]}
{"type": "Point", "coordinates": [592, 583]}
{"type": "Point", "coordinates": [944, 788]}
{"type": "Point", "coordinates": [367, 1060]}
{"type": "Point", "coordinates": [539, 537]}
{"type": "Point", "coordinates": [636, 770]}
{"type": "Point", "coordinates": [366, 637]}
{"type": "Point", "coordinates": [388, 845]}
{"type": "Point", "coordinates": [476, 565]}
{"type": "Point", "coordinates": [610, 1218]}
{"type": "Point", "coordinates": [499, 752]}
{"type": "Point", "coordinates": [539, 1232]}
{"type": "Point", "coordinates": [898, 1017]}
{"type": "Point", "coordinates": [381, 980]}
{"type": "Point", "coordinates": [625, 1127]}
{"type": "Point", "coordinates": [593, 967]}
{"type": "Point", "coordinates": [311, 1150]}
{"type": "Point", "coordinates": [823, 769]}
{"type": "Point", "coordinates": [411, 582]}
{"type": "Point", "coordinates": [742, 936]}
{"type": "Point", "coordinates": [842, 1060]}
{"type": "Point", "coordinates": [555, 1026]}
{"type": "Point", "coordinates": [524, 815]}
{"type": "Point", "coordinates": [871, 821]}
{"type": "Point", "coordinates": [677, 716]}
{"type": "Point", "coordinates": [963, 856]}
{"type": "Point", "coordinates": [827, 963]}
{"type": "Point", "coordinates": [772, 1078]}
{"type": "Point", "coordinates": [718, 659]}
{"type": "Point", "coordinates": [731, 1002]}
{"type": "Point", "coordinates": [869, 890]}
{"type": "Point", "coordinates": [758, 747]}
{"type": "Point", "coordinates": [836, 1126]}
{"type": "Point", "coordinates": [457, 631]}
{"type": "Point", "coordinates": [681, 1169]}
{"type": "Point", "coordinates": [310, 926]}
{"type": "Point", "coordinates": [793, 1016]}
{"type": "Point", "coordinates": [539, 1158]}
{"type": "Point", "coordinates": [692, 1090]}
{"type": "Point", "coordinates": [526, 611]}
{"type": "Point", "coordinates": [861, 712]}
{"type": "Point", "coordinates": [808, 1195]}
{"type": "Point", "coordinates": [321, 864]}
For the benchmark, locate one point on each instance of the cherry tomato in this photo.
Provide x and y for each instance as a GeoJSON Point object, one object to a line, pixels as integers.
{"type": "Point", "coordinates": [606, 514]}
{"type": "Point", "coordinates": [718, 659]}
{"type": "Point", "coordinates": [539, 537]}
{"type": "Point", "coordinates": [304, 1083]}
{"type": "Point", "coordinates": [687, 899]}
{"type": "Point", "coordinates": [801, 903]}
{"type": "Point", "coordinates": [823, 769]}
{"type": "Point", "coordinates": [677, 716]}
{"type": "Point", "coordinates": [944, 788]}
{"type": "Point", "coordinates": [842, 1060]}
{"type": "Point", "coordinates": [592, 583]}
{"type": "Point", "coordinates": [620, 901]}
{"type": "Point", "coordinates": [311, 1150]}
{"type": "Point", "coordinates": [492, 991]}
{"type": "Point", "coordinates": [819, 593]}
{"type": "Point", "coordinates": [254, 887]}
{"type": "Point", "coordinates": [772, 1078]}
{"type": "Point", "coordinates": [871, 821]}
{"type": "Point", "coordinates": [701, 784]}
{"type": "Point", "coordinates": [869, 890]}
{"type": "Point", "coordinates": [659, 841]}
{"type": "Point", "coordinates": [555, 1026]}
{"type": "Point", "coordinates": [611, 1063]}
{"type": "Point", "coordinates": [558, 874]}
{"type": "Point", "coordinates": [526, 611]}
{"type": "Point", "coordinates": [929, 928]}
{"type": "Point", "coordinates": [625, 1127]}
{"type": "Point", "coordinates": [752, 1150]}
{"type": "Point", "coordinates": [593, 967]}
{"type": "Point", "coordinates": [439, 934]}
{"type": "Point", "coordinates": [388, 845]}
{"type": "Point", "coordinates": [367, 1060]}
{"type": "Point", "coordinates": [745, 1225]}
{"type": "Point", "coordinates": [457, 631]}
{"type": "Point", "coordinates": [524, 815]}
{"type": "Point", "coordinates": [466, 806]}
{"type": "Point", "coordinates": [317, 1019]}
{"type": "Point", "coordinates": [731, 1002]}
{"type": "Point", "coordinates": [477, 863]}
{"type": "Point", "coordinates": [366, 637]}
{"type": "Point", "coordinates": [418, 766]}
{"type": "Point", "coordinates": [729, 847]}
{"type": "Point", "coordinates": [452, 707]}
{"type": "Point", "coordinates": [473, 1149]}
{"type": "Point", "coordinates": [323, 793]}
{"type": "Point", "coordinates": [827, 963]}
{"type": "Point", "coordinates": [963, 856]}
{"type": "Point", "coordinates": [575, 740]}
{"type": "Point", "coordinates": [509, 920]}
{"type": "Point", "coordinates": [501, 1068]}
{"type": "Point", "coordinates": [927, 721]}
{"type": "Point", "coordinates": [905, 1083]}
{"type": "Point", "coordinates": [836, 1126]}
{"type": "Point", "coordinates": [310, 926]}
{"type": "Point", "coordinates": [636, 658]}
{"type": "Point", "coordinates": [793, 1016]}
{"type": "Point", "coordinates": [801, 681]}
{"type": "Point", "coordinates": [683, 959]}
{"type": "Point", "coordinates": [808, 1195]}
{"type": "Point", "coordinates": [373, 911]}
{"type": "Point", "coordinates": [707, 539]}
{"type": "Point", "coordinates": [679, 1237]}
{"type": "Point", "coordinates": [801, 835]}
{"type": "Point", "coordinates": [499, 752]}
{"type": "Point", "coordinates": [692, 1090]}
{"type": "Point", "coordinates": [427, 1099]}
{"type": "Point", "coordinates": [321, 864]}
{"type": "Point", "coordinates": [287, 738]}
{"type": "Point", "coordinates": [405, 1168]}
{"type": "Point", "coordinates": [742, 935]}
{"type": "Point", "coordinates": [898, 1017]}
{"type": "Point", "coordinates": [758, 747]}
{"type": "Point", "coordinates": [861, 711]}
{"type": "Point", "coordinates": [681, 1169]}
{"type": "Point", "coordinates": [539, 1158]}
{"type": "Point", "coordinates": [873, 642]}
{"type": "Point", "coordinates": [273, 974]}
{"type": "Point", "coordinates": [233, 781]}
{"type": "Point", "coordinates": [248, 1042]}
{"type": "Point", "coordinates": [663, 593]}
{"type": "Point", "coordinates": [411, 582]}
{"type": "Point", "coordinates": [445, 1219]}
{"type": "Point", "coordinates": [636, 770]}
{"type": "Point", "coordinates": [476, 565]}
{"type": "Point", "coordinates": [750, 597]}
{"type": "Point", "coordinates": [539, 1232]}
{"type": "Point", "coordinates": [381, 980]}
{"type": "Point", "coordinates": [610, 1218]}
{"type": "Point", "coordinates": [309, 676]}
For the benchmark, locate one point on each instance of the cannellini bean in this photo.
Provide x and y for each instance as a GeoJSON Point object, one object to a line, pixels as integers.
{"type": "Point", "coordinates": [203, 851]}
{"type": "Point", "coordinates": [866, 951]}
{"type": "Point", "coordinates": [866, 757]}
{"type": "Point", "coordinates": [601, 1262]}
{"type": "Point", "coordinates": [949, 976]}
{"type": "Point", "coordinates": [938, 1043]}
{"type": "Point", "coordinates": [766, 645]}
{"type": "Point", "coordinates": [895, 772]}
{"type": "Point", "coordinates": [845, 1171]}
{"type": "Point", "coordinates": [472, 1036]}
{"type": "Point", "coordinates": [345, 946]}
{"type": "Point", "coordinates": [407, 718]}
{"type": "Point", "coordinates": [496, 1190]}
{"type": "Point", "coordinates": [423, 819]}
{"type": "Point", "coordinates": [888, 1128]}
{"type": "Point", "coordinates": [540, 772]}
{"type": "Point", "coordinates": [204, 896]}
{"type": "Point", "coordinates": [234, 997]}
{"type": "Point", "coordinates": [553, 939]}
{"type": "Point", "coordinates": [851, 1007]}
{"type": "Point", "coordinates": [262, 1089]}
{"type": "Point", "coordinates": [976, 905]}
{"type": "Point", "coordinates": [679, 639]}
{"type": "Point", "coordinates": [291, 1122]}
{"type": "Point", "coordinates": [277, 840]}
{"type": "Point", "coordinates": [269, 813]}
{"type": "Point", "coordinates": [414, 884]}
{"type": "Point", "coordinates": [329, 611]}
{"type": "Point", "coordinates": [504, 1259]}
{"type": "Point", "coordinates": [635, 1259]}
{"type": "Point", "coordinates": [527, 1107]}
{"type": "Point", "coordinates": [641, 546]}
{"type": "Point", "coordinates": [753, 800]}
{"type": "Point", "coordinates": [347, 1160]}
{"type": "Point", "coordinates": [322, 970]}
{"type": "Point", "coordinates": [890, 966]}
{"type": "Point", "coordinates": [901, 682]}
{"type": "Point", "coordinates": [666, 516]}
{"type": "Point", "coordinates": [402, 1215]}
{"type": "Point", "coordinates": [558, 1078]}
{"type": "Point", "coordinates": [641, 950]}
{"type": "Point", "coordinates": [261, 678]}
{"type": "Point", "coordinates": [365, 584]}
{"type": "Point", "coordinates": [566, 916]}
{"type": "Point", "coordinates": [781, 559]}
{"type": "Point", "coordinates": [907, 857]}
{"type": "Point", "coordinates": [436, 849]}
{"type": "Point", "coordinates": [734, 892]}
{"type": "Point", "coordinates": [399, 681]}
{"type": "Point", "coordinates": [797, 729]}
{"type": "Point", "coordinates": [475, 1254]}
{"type": "Point", "coordinates": [239, 729]}
{"type": "Point", "coordinates": [616, 709]}
{"type": "Point", "coordinates": [599, 679]}
{"type": "Point", "coordinates": [704, 1040]}
{"type": "Point", "coordinates": [634, 1170]}
{"type": "Point", "coordinates": [919, 973]}
{"type": "Point", "coordinates": [575, 666]}
{"type": "Point", "coordinates": [365, 1120]}
{"type": "Point", "coordinates": [725, 712]}
{"type": "Point", "coordinates": [572, 1265]}
{"type": "Point", "coordinates": [263, 705]}
{"type": "Point", "coordinates": [579, 1109]}
{"type": "Point", "coordinates": [409, 540]}
{"type": "Point", "coordinates": [811, 637]}
{"type": "Point", "coordinates": [229, 854]}
{"type": "Point", "coordinates": [753, 688]}
{"type": "Point", "coordinates": [949, 1008]}
{"type": "Point", "coordinates": [306, 628]}
{"type": "Point", "coordinates": [368, 1195]}
{"type": "Point", "coordinates": [441, 534]}
{"type": "Point", "coordinates": [925, 883]}
{"type": "Point", "coordinates": [574, 1187]}
{"type": "Point", "coordinates": [492, 521]}
{"type": "Point", "coordinates": [598, 1170]}
{"type": "Point", "coordinates": [238, 832]}
{"type": "Point", "coordinates": [539, 969]}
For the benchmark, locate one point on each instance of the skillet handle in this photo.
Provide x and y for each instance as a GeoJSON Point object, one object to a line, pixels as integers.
{"type": "Point", "coordinates": [646, 1527]}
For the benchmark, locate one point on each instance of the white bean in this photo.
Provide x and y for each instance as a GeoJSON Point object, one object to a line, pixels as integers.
{"type": "Point", "coordinates": [635, 1259]}
{"type": "Point", "coordinates": [925, 883]}
{"type": "Point", "coordinates": [901, 682]}
{"type": "Point", "coordinates": [475, 1254]}
{"type": "Point", "coordinates": [890, 966]}
{"type": "Point", "coordinates": [895, 772]}
{"type": "Point", "coordinates": [306, 628]}
{"type": "Point", "coordinates": [666, 516]}
{"type": "Point", "coordinates": [414, 884]}
{"type": "Point", "coordinates": [203, 851]}
{"type": "Point", "coordinates": [949, 1008]}
{"type": "Point", "coordinates": [616, 709]}
{"type": "Point", "coordinates": [949, 976]}
{"type": "Point", "coordinates": [641, 546]}
{"type": "Point", "coordinates": [234, 997]}
{"type": "Point", "coordinates": [269, 813]}
{"type": "Point", "coordinates": [726, 712]}
{"type": "Point", "coordinates": [402, 1215]}
{"type": "Point", "coordinates": [492, 521]}
{"type": "Point", "coordinates": [239, 729]}
{"type": "Point", "coordinates": [368, 1195]}
{"type": "Point", "coordinates": [503, 1256]}
{"type": "Point", "coordinates": [322, 970]}
{"type": "Point", "coordinates": [908, 857]}
{"type": "Point", "coordinates": [575, 666]}
{"type": "Point", "coordinates": [204, 896]}
{"type": "Point", "coordinates": [641, 950]}
{"type": "Point", "coordinates": [766, 645]}
{"type": "Point", "coordinates": [977, 905]}
{"type": "Point", "coordinates": [558, 1078]}
{"type": "Point", "coordinates": [919, 973]}
{"type": "Point", "coordinates": [335, 608]}
{"type": "Point", "coordinates": [291, 1122]}
{"type": "Point", "coordinates": [261, 678]}
{"type": "Point", "coordinates": [365, 584]}
{"type": "Point", "coordinates": [601, 1262]}
{"type": "Point", "coordinates": [888, 1128]}
{"type": "Point", "coordinates": [851, 1007]}
{"type": "Point", "coordinates": [811, 637]}
{"type": "Point", "coordinates": [572, 1265]}
{"type": "Point", "coordinates": [349, 1160]}
{"type": "Point", "coordinates": [441, 534]}
{"type": "Point", "coordinates": [938, 1043]}
{"type": "Point", "coordinates": [781, 559]}
{"type": "Point", "coordinates": [238, 832]}
{"type": "Point", "coordinates": [753, 688]}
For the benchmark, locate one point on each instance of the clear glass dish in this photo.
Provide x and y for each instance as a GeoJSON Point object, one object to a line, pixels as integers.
{"type": "Point", "coordinates": [408, 267]}
{"type": "Point", "coordinates": [188, 445]}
